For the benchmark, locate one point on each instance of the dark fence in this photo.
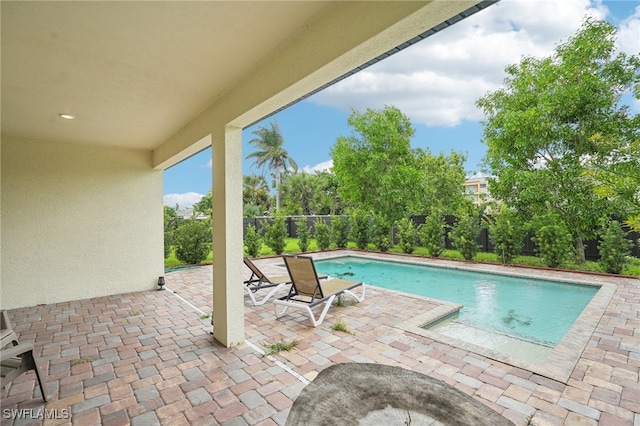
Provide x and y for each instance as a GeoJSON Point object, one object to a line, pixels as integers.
{"type": "Point", "coordinates": [529, 248]}
{"type": "Point", "coordinates": [290, 222]}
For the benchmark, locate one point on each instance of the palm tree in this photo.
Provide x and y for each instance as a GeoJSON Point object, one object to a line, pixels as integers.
{"type": "Point", "coordinates": [255, 191]}
{"type": "Point", "coordinates": [270, 152]}
{"type": "Point", "coordinates": [301, 190]}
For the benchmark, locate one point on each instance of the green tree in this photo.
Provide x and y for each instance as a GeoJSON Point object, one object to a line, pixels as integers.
{"type": "Point", "coordinates": [252, 241]}
{"type": "Point", "coordinates": [339, 231]}
{"type": "Point", "coordinates": [304, 234]}
{"type": "Point", "coordinates": [328, 199]}
{"type": "Point", "coordinates": [360, 228]}
{"type": "Point", "coordinates": [204, 206]}
{"type": "Point", "coordinates": [381, 232]}
{"type": "Point", "coordinates": [270, 152]}
{"type": "Point", "coordinates": [192, 240]}
{"type": "Point", "coordinates": [170, 214]}
{"type": "Point", "coordinates": [171, 222]}
{"type": "Point", "coordinates": [376, 168]}
{"type": "Point", "coordinates": [406, 235]}
{"type": "Point", "coordinates": [275, 234]}
{"type": "Point", "coordinates": [251, 210]}
{"type": "Point", "coordinates": [552, 239]}
{"type": "Point", "coordinates": [300, 194]}
{"type": "Point", "coordinates": [432, 233]}
{"type": "Point", "coordinates": [255, 193]}
{"type": "Point", "coordinates": [543, 127]}
{"type": "Point", "coordinates": [464, 236]}
{"type": "Point", "coordinates": [506, 233]}
{"type": "Point", "coordinates": [323, 234]}
{"type": "Point", "coordinates": [615, 173]}
{"type": "Point", "coordinates": [614, 248]}
{"type": "Point", "coordinates": [441, 183]}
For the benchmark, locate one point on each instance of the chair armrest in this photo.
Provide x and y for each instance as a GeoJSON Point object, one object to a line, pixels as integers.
{"type": "Point", "coordinates": [14, 351]}
{"type": "Point", "coordinates": [7, 336]}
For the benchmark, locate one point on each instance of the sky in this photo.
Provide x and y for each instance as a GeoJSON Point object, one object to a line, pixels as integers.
{"type": "Point", "coordinates": [435, 83]}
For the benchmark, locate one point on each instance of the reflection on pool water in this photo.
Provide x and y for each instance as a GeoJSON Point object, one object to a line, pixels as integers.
{"type": "Point", "coordinates": [520, 314]}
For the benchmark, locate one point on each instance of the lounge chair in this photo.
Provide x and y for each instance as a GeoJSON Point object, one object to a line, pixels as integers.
{"type": "Point", "coordinates": [16, 358]}
{"type": "Point", "coordinates": [307, 291]}
{"type": "Point", "coordinates": [260, 281]}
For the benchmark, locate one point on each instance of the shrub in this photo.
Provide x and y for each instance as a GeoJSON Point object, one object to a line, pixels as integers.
{"type": "Point", "coordinates": [431, 234]}
{"type": "Point", "coordinates": [192, 240]}
{"type": "Point", "coordinates": [323, 235]}
{"type": "Point", "coordinates": [275, 234]}
{"type": "Point", "coordinates": [339, 232]}
{"type": "Point", "coordinates": [506, 234]}
{"type": "Point", "coordinates": [360, 229]}
{"type": "Point", "coordinates": [304, 234]}
{"type": "Point", "coordinates": [464, 236]}
{"type": "Point", "coordinates": [614, 248]}
{"type": "Point", "coordinates": [407, 235]}
{"type": "Point", "coordinates": [553, 240]}
{"type": "Point", "coordinates": [380, 231]}
{"type": "Point", "coordinates": [167, 246]}
{"type": "Point", "coordinates": [171, 223]}
{"type": "Point", "coordinates": [253, 241]}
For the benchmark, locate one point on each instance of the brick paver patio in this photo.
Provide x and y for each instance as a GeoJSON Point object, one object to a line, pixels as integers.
{"type": "Point", "coordinates": [148, 358]}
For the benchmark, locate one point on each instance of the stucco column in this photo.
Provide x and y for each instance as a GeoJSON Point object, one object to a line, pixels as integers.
{"type": "Point", "coordinates": [228, 300]}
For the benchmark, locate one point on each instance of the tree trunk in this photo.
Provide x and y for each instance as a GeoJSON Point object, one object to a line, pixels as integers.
{"type": "Point", "coordinates": [579, 246]}
{"type": "Point", "coordinates": [277, 189]}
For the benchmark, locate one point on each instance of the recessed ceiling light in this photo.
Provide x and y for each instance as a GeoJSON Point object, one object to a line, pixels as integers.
{"type": "Point", "coordinates": [67, 116]}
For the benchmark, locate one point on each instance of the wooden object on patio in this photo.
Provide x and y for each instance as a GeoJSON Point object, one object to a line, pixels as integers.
{"type": "Point", "coordinates": [16, 358]}
{"type": "Point", "coordinates": [378, 394]}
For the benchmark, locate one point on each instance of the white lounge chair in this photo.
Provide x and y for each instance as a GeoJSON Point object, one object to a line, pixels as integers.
{"type": "Point", "coordinates": [307, 291]}
{"type": "Point", "coordinates": [16, 358]}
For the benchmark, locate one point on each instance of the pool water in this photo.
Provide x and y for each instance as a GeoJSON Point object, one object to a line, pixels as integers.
{"type": "Point", "coordinates": [530, 310]}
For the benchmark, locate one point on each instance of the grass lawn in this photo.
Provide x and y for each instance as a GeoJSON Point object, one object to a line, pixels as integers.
{"type": "Point", "coordinates": [291, 246]}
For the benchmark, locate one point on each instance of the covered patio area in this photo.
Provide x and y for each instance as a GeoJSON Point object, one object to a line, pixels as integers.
{"type": "Point", "coordinates": [99, 98]}
{"type": "Point", "coordinates": [148, 358]}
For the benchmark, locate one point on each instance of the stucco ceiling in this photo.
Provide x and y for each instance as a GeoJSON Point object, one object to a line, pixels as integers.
{"type": "Point", "coordinates": [132, 72]}
{"type": "Point", "coordinates": [136, 74]}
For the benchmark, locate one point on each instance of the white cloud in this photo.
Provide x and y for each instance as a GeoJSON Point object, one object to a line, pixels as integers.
{"type": "Point", "coordinates": [437, 81]}
{"type": "Point", "coordinates": [186, 200]}
{"type": "Point", "coordinates": [325, 165]}
{"type": "Point", "coordinates": [628, 39]}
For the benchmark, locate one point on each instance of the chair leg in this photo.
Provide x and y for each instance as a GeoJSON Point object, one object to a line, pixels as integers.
{"type": "Point", "coordinates": [33, 365]}
{"type": "Point", "coordinates": [283, 311]}
{"type": "Point", "coordinates": [267, 297]}
{"type": "Point", "coordinates": [355, 296]}
{"type": "Point", "coordinates": [322, 314]}
{"type": "Point", "coordinates": [314, 321]}
{"type": "Point", "coordinates": [21, 364]}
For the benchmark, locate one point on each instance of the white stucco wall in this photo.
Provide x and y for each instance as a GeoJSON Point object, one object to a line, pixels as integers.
{"type": "Point", "coordinates": [77, 222]}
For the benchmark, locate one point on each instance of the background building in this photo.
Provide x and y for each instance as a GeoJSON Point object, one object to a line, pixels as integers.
{"type": "Point", "coordinates": [476, 189]}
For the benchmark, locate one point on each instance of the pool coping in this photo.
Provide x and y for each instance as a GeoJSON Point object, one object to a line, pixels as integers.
{"type": "Point", "coordinates": [564, 356]}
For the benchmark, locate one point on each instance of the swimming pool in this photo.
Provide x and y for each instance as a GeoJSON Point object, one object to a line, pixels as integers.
{"type": "Point", "coordinates": [529, 310]}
